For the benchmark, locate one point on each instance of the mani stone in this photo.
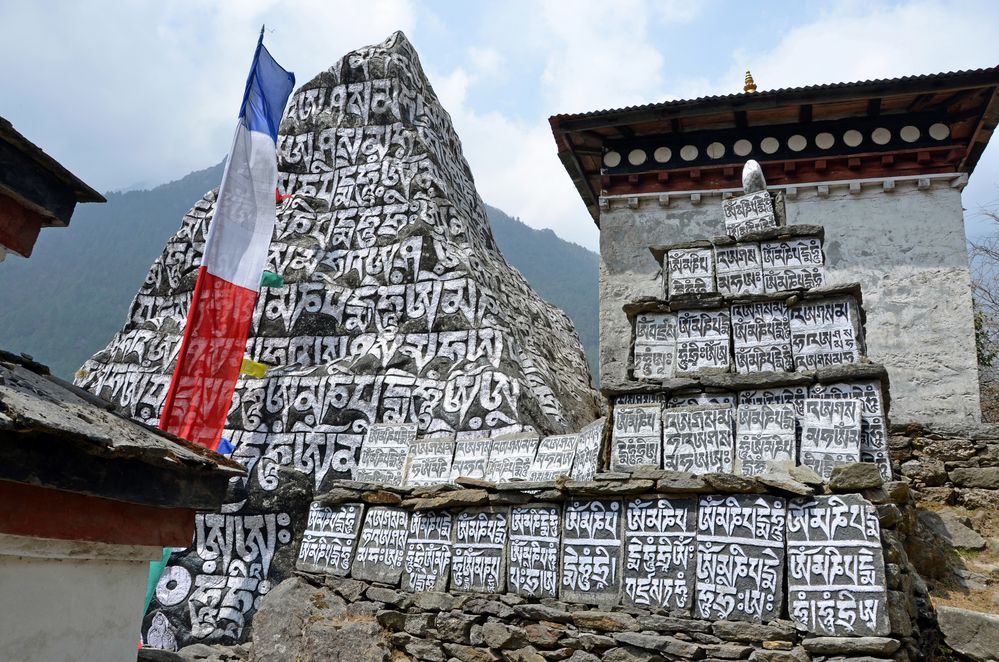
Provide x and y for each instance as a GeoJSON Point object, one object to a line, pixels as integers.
{"type": "Point", "coordinates": [428, 552]}
{"type": "Point", "coordinates": [586, 458]}
{"type": "Point", "coordinates": [740, 557]}
{"type": "Point", "coordinates": [510, 457]}
{"type": "Point", "coordinates": [873, 429]}
{"type": "Point", "coordinates": [763, 433]}
{"type": "Point", "coordinates": [554, 458]}
{"type": "Point", "coordinates": [478, 557]}
{"type": "Point", "coordinates": [329, 537]}
{"type": "Point", "coordinates": [690, 271]}
{"type": "Point", "coordinates": [381, 548]}
{"type": "Point", "coordinates": [591, 552]}
{"type": "Point", "coordinates": [533, 560]}
{"type": "Point", "coordinates": [698, 439]}
{"type": "Point", "coordinates": [749, 213]}
{"type": "Point", "coordinates": [761, 336]}
{"type": "Point", "coordinates": [659, 553]}
{"type": "Point", "coordinates": [830, 434]}
{"type": "Point", "coordinates": [655, 346]}
{"type": "Point", "coordinates": [430, 461]}
{"type": "Point", "coordinates": [836, 573]}
{"type": "Point", "coordinates": [738, 269]}
{"type": "Point", "coordinates": [702, 343]}
{"type": "Point", "coordinates": [470, 458]}
{"type": "Point", "coordinates": [781, 395]}
{"type": "Point", "coordinates": [824, 333]}
{"type": "Point", "coordinates": [792, 264]}
{"type": "Point", "coordinates": [384, 453]}
{"type": "Point", "coordinates": [681, 399]}
{"type": "Point", "coordinates": [636, 438]}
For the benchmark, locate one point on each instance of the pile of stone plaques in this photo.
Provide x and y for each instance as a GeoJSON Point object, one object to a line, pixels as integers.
{"type": "Point", "coordinates": [729, 371]}
{"type": "Point", "coordinates": [391, 454]}
{"type": "Point", "coordinates": [710, 556]}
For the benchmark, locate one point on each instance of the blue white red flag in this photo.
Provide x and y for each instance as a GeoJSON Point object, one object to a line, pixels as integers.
{"type": "Point", "coordinates": [235, 254]}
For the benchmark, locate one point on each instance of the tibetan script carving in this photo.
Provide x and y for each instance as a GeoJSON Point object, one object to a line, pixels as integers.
{"type": "Point", "coordinates": [824, 333]}
{"type": "Point", "coordinates": [554, 457]}
{"type": "Point", "coordinates": [510, 457]}
{"type": "Point", "coordinates": [786, 395]}
{"type": "Point", "coordinates": [702, 341]}
{"type": "Point", "coordinates": [740, 557]}
{"type": "Point", "coordinates": [748, 213]}
{"type": "Point", "coordinates": [873, 430]}
{"type": "Point", "coordinates": [792, 264]}
{"type": "Point", "coordinates": [584, 463]}
{"type": "Point", "coordinates": [329, 538]}
{"type": "Point", "coordinates": [763, 432]}
{"type": "Point", "coordinates": [591, 552]}
{"type": "Point", "coordinates": [698, 439]}
{"type": "Point", "coordinates": [430, 461]}
{"type": "Point", "coordinates": [382, 545]}
{"type": "Point", "coordinates": [830, 434]}
{"type": "Point", "coordinates": [762, 337]}
{"type": "Point", "coordinates": [655, 345]}
{"type": "Point", "coordinates": [470, 458]}
{"type": "Point", "coordinates": [384, 453]}
{"type": "Point", "coordinates": [738, 270]}
{"type": "Point", "coordinates": [835, 567]}
{"type": "Point", "coordinates": [636, 438]}
{"type": "Point", "coordinates": [659, 553]}
{"type": "Point", "coordinates": [534, 550]}
{"type": "Point", "coordinates": [428, 552]}
{"type": "Point", "coordinates": [478, 558]}
{"type": "Point", "coordinates": [690, 271]}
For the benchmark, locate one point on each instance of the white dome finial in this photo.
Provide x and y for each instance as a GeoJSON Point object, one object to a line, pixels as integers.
{"type": "Point", "coordinates": [752, 177]}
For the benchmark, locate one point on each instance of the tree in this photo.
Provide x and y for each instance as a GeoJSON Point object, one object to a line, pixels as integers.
{"type": "Point", "coordinates": [984, 259]}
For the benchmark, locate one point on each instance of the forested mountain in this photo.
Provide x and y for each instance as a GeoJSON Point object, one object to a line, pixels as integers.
{"type": "Point", "coordinates": [71, 297]}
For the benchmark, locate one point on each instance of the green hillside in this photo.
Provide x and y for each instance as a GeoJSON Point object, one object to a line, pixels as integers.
{"type": "Point", "coordinates": [71, 297]}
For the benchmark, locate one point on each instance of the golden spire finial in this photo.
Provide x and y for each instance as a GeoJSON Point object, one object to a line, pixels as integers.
{"type": "Point", "coordinates": [750, 85]}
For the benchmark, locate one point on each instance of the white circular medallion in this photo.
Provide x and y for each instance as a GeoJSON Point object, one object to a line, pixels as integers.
{"type": "Point", "coordinates": [797, 142]}
{"type": "Point", "coordinates": [637, 157]}
{"type": "Point", "coordinates": [173, 586]}
{"type": "Point", "coordinates": [688, 153]}
{"type": "Point", "coordinates": [825, 140]}
{"type": "Point", "coordinates": [852, 138]}
{"type": "Point", "coordinates": [881, 135]}
{"type": "Point", "coordinates": [716, 150]}
{"type": "Point", "coordinates": [769, 145]}
{"type": "Point", "coordinates": [742, 147]}
{"type": "Point", "coordinates": [939, 131]}
{"type": "Point", "coordinates": [612, 159]}
{"type": "Point", "coordinates": [910, 134]}
{"type": "Point", "coordinates": [662, 154]}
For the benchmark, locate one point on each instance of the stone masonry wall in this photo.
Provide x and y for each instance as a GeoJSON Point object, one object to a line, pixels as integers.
{"type": "Point", "coordinates": [906, 248]}
{"type": "Point", "coordinates": [322, 616]}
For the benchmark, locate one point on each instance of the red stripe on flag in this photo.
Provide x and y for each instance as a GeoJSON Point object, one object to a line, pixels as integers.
{"type": "Point", "coordinates": [204, 379]}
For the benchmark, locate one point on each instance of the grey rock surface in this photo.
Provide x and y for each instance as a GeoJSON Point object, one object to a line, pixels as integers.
{"type": "Point", "coordinates": [970, 633]}
{"type": "Point", "coordinates": [948, 526]}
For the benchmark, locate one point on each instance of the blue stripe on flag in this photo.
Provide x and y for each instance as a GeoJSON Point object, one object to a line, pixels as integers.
{"type": "Point", "coordinates": [267, 90]}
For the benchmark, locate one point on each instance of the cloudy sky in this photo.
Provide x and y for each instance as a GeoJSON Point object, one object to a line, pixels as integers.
{"type": "Point", "coordinates": [140, 93]}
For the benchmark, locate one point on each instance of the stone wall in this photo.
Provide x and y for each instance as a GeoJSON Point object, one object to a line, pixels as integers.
{"type": "Point", "coordinates": [906, 248]}
{"type": "Point", "coordinates": [326, 616]}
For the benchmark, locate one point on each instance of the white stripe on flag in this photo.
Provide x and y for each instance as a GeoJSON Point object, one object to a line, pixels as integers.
{"type": "Point", "coordinates": [240, 232]}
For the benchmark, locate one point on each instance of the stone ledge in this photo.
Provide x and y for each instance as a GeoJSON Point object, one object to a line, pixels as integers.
{"type": "Point", "coordinates": [775, 234]}
{"type": "Point", "coordinates": [710, 300]}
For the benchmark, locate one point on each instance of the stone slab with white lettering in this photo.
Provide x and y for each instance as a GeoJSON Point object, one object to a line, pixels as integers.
{"type": "Point", "coordinates": [658, 398]}
{"type": "Point", "coordinates": [738, 269]}
{"type": "Point", "coordinates": [636, 437]}
{"type": "Point", "coordinates": [761, 337]}
{"type": "Point", "coordinates": [746, 214]}
{"type": "Point", "coordinates": [586, 459]}
{"type": "Point", "coordinates": [381, 547]}
{"type": "Point", "coordinates": [427, 562]}
{"type": "Point", "coordinates": [690, 271]}
{"type": "Point", "coordinates": [384, 453]}
{"type": "Point", "coordinates": [478, 557]}
{"type": "Point", "coordinates": [824, 332]}
{"type": "Point", "coordinates": [554, 457]}
{"type": "Point", "coordinates": [470, 458]}
{"type": "Point", "coordinates": [688, 399]}
{"type": "Point", "coordinates": [873, 426]}
{"type": "Point", "coordinates": [591, 552]}
{"type": "Point", "coordinates": [830, 434]}
{"type": "Point", "coordinates": [836, 582]}
{"type": "Point", "coordinates": [430, 461]}
{"type": "Point", "coordinates": [791, 264]}
{"type": "Point", "coordinates": [329, 538]}
{"type": "Point", "coordinates": [779, 395]}
{"type": "Point", "coordinates": [510, 457]}
{"type": "Point", "coordinates": [659, 553]}
{"type": "Point", "coordinates": [655, 345]}
{"type": "Point", "coordinates": [698, 439]}
{"type": "Point", "coordinates": [702, 343]}
{"type": "Point", "coordinates": [763, 433]}
{"type": "Point", "coordinates": [740, 557]}
{"type": "Point", "coordinates": [533, 557]}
